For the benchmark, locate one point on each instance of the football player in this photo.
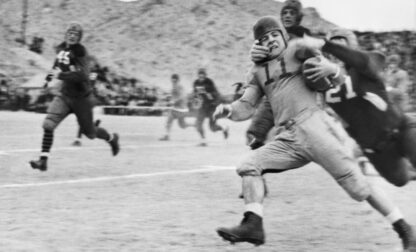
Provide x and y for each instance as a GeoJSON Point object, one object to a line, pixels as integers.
{"type": "Point", "coordinates": [262, 122]}
{"type": "Point", "coordinates": [179, 105]}
{"type": "Point", "coordinates": [71, 68]}
{"type": "Point", "coordinates": [307, 133]}
{"type": "Point", "coordinates": [206, 91]}
{"type": "Point", "coordinates": [385, 133]}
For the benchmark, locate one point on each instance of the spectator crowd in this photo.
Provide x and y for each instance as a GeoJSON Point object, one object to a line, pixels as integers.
{"type": "Point", "coordinates": [112, 89]}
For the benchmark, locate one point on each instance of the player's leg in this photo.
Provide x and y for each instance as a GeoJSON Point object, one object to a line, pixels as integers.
{"type": "Point", "coordinates": [213, 124]}
{"type": "Point", "coordinates": [57, 111]}
{"type": "Point", "coordinates": [261, 123]}
{"type": "Point", "coordinates": [168, 126]}
{"type": "Point", "coordinates": [77, 141]}
{"type": "Point", "coordinates": [407, 142]}
{"type": "Point", "coordinates": [277, 155]}
{"type": "Point", "coordinates": [391, 165]}
{"type": "Point", "coordinates": [200, 117]}
{"type": "Point", "coordinates": [83, 110]}
{"type": "Point", "coordinates": [181, 116]}
{"type": "Point", "coordinates": [332, 155]}
{"type": "Point", "coordinates": [351, 144]}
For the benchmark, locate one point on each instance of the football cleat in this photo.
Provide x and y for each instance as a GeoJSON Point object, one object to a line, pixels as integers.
{"type": "Point", "coordinates": [250, 230]}
{"type": "Point", "coordinates": [77, 143]}
{"type": "Point", "coordinates": [114, 143]}
{"type": "Point", "coordinates": [164, 138]}
{"type": "Point", "coordinates": [226, 132]}
{"type": "Point", "coordinates": [40, 164]}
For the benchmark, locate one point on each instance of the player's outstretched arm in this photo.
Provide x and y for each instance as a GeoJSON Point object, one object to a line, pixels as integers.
{"type": "Point", "coordinates": [243, 108]}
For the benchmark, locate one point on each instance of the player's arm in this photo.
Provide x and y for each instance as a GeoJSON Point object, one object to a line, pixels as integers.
{"type": "Point", "coordinates": [76, 74]}
{"type": "Point", "coordinates": [325, 68]}
{"type": "Point", "coordinates": [359, 60]}
{"type": "Point", "coordinates": [243, 108]}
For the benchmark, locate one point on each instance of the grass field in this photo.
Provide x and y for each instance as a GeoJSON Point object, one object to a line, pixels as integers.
{"type": "Point", "coordinates": [168, 196]}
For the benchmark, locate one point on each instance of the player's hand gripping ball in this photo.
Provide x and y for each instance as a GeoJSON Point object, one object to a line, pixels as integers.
{"type": "Point", "coordinates": [313, 79]}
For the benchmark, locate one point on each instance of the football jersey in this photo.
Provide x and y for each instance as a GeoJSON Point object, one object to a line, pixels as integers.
{"type": "Point", "coordinates": [72, 61]}
{"type": "Point", "coordinates": [361, 101]}
{"type": "Point", "coordinates": [178, 96]}
{"type": "Point", "coordinates": [207, 91]}
{"type": "Point", "coordinates": [281, 81]}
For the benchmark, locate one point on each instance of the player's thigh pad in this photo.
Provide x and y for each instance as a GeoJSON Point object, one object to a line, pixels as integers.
{"type": "Point", "coordinates": [281, 154]}
{"type": "Point", "coordinates": [57, 111]}
{"type": "Point", "coordinates": [327, 149]}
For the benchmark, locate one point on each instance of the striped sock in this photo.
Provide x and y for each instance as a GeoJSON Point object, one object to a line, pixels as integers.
{"type": "Point", "coordinates": [46, 142]}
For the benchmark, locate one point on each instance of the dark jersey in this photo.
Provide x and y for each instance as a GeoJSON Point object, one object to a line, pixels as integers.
{"type": "Point", "coordinates": [72, 61]}
{"type": "Point", "coordinates": [361, 101]}
{"type": "Point", "coordinates": [207, 91]}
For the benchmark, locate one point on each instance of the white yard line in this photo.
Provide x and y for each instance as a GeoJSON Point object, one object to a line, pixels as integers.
{"type": "Point", "coordinates": [73, 136]}
{"type": "Point", "coordinates": [6, 152]}
{"type": "Point", "coordinates": [207, 168]}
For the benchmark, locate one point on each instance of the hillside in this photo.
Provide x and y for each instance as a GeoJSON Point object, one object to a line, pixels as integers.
{"type": "Point", "coordinates": [147, 39]}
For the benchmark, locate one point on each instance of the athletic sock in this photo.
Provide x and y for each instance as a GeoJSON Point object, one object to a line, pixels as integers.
{"type": "Point", "coordinates": [256, 208]}
{"type": "Point", "coordinates": [47, 141]}
{"type": "Point", "coordinates": [394, 216]}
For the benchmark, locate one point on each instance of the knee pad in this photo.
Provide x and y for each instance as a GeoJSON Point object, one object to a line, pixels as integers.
{"type": "Point", "coordinates": [49, 124]}
{"type": "Point", "coordinates": [248, 169]}
{"type": "Point", "coordinates": [356, 186]}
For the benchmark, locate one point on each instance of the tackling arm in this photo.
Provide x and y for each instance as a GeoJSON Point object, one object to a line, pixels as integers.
{"type": "Point", "coordinates": [359, 60]}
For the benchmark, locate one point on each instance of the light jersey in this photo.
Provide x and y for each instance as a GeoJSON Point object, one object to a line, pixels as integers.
{"type": "Point", "coordinates": [178, 96]}
{"type": "Point", "coordinates": [281, 81]}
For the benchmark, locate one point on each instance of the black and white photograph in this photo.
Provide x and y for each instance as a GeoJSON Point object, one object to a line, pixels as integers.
{"type": "Point", "coordinates": [208, 126]}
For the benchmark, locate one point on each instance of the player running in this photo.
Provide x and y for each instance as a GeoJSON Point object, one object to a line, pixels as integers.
{"type": "Point", "coordinates": [179, 110]}
{"type": "Point", "coordinates": [306, 133]}
{"type": "Point", "coordinates": [71, 68]}
{"type": "Point", "coordinates": [206, 91]}
{"type": "Point", "coordinates": [262, 121]}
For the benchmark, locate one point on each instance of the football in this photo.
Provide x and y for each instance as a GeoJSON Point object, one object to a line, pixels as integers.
{"type": "Point", "coordinates": [321, 85]}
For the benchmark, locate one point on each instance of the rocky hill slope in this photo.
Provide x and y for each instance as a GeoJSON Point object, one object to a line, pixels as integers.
{"type": "Point", "coordinates": [146, 39]}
